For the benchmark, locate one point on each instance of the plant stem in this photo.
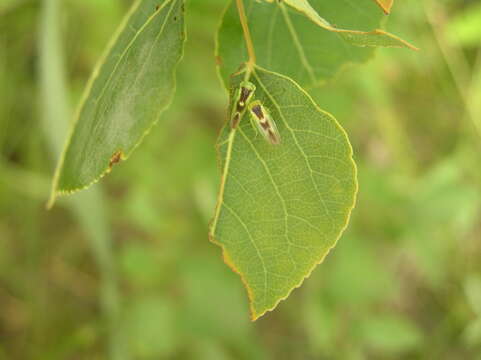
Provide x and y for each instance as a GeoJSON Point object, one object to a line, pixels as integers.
{"type": "Point", "coordinates": [455, 60]}
{"type": "Point", "coordinates": [88, 207]}
{"type": "Point", "coordinates": [247, 35]}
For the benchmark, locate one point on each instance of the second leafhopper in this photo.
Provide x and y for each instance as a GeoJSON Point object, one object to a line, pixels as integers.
{"type": "Point", "coordinates": [264, 122]}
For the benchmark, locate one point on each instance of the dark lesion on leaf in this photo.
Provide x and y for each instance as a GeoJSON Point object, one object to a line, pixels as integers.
{"type": "Point", "coordinates": [116, 158]}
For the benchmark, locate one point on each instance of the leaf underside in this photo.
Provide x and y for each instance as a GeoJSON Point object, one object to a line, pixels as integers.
{"type": "Point", "coordinates": [294, 40]}
{"type": "Point", "coordinates": [134, 83]}
{"type": "Point", "coordinates": [374, 37]}
{"type": "Point", "coordinates": [281, 208]}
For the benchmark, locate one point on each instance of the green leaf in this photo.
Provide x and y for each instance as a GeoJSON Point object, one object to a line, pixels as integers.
{"type": "Point", "coordinates": [88, 207]}
{"type": "Point", "coordinates": [133, 84]}
{"type": "Point", "coordinates": [310, 52]}
{"type": "Point", "coordinates": [355, 37]}
{"type": "Point", "coordinates": [281, 208]}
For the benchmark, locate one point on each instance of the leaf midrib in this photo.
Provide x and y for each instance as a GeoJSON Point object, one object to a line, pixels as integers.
{"type": "Point", "coordinates": [230, 144]}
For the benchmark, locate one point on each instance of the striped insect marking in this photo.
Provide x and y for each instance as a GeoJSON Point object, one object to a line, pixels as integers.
{"type": "Point", "coordinates": [244, 94]}
{"type": "Point", "coordinates": [264, 122]}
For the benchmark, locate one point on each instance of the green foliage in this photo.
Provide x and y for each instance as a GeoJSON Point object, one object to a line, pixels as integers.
{"type": "Point", "coordinates": [146, 319]}
{"type": "Point", "coordinates": [403, 283]}
{"type": "Point", "coordinates": [390, 334]}
{"type": "Point", "coordinates": [465, 28]}
{"type": "Point", "coordinates": [282, 207]}
{"type": "Point", "coordinates": [126, 95]}
{"type": "Point", "coordinates": [135, 82]}
{"type": "Point", "coordinates": [310, 52]}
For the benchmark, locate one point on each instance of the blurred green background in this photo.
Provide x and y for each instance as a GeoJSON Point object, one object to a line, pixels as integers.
{"type": "Point", "coordinates": [125, 270]}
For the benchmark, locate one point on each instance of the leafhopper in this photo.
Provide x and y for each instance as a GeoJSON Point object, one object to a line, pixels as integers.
{"type": "Point", "coordinates": [244, 94]}
{"type": "Point", "coordinates": [265, 124]}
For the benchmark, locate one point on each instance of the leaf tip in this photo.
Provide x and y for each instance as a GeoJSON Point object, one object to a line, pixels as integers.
{"type": "Point", "coordinates": [386, 10]}
{"type": "Point", "coordinates": [385, 5]}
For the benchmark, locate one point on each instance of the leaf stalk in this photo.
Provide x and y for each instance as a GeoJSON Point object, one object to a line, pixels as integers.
{"type": "Point", "coordinates": [247, 35]}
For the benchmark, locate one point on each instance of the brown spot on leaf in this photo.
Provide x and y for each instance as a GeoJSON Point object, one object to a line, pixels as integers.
{"type": "Point", "coordinates": [218, 60]}
{"type": "Point", "coordinates": [115, 158]}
